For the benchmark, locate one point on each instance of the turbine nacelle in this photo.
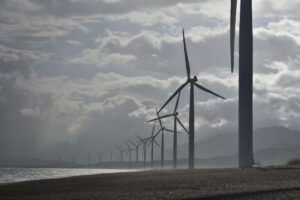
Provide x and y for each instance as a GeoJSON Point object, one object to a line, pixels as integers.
{"type": "Point", "coordinates": [194, 79]}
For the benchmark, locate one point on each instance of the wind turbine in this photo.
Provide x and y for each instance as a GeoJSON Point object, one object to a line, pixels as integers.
{"type": "Point", "coordinates": [152, 141]}
{"type": "Point", "coordinates": [162, 131]}
{"type": "Point", "coordinates": [175, 132]}
{"type": "Point", "coordinates": [74, 159]}
{"type": "Point", "coordinates": [129, 151]}
{"type": "Point", "coordinates": [111, 157]}
{"type": "Point", "coordinates": [136, 145]}
{"type": "Point", "coordinates": [245, 79]}
{"type": "Point", "coordinates": [192, 82]}
{"type": "Point", "coordinates": [100, 156]}
{"type": "Point", "coordinates": [121, 153]}
{"type": "Point", "coordinates": [144, 142]}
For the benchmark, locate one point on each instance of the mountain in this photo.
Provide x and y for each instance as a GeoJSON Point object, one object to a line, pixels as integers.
{"type": "Point", "coordinates": [273, 145]}
{"type": "Point", "coordinates": [275, 137]}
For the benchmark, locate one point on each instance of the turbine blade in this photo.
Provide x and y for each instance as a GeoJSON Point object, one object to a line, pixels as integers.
{"type": "Point", "coordinates": [207, 90]}
{"type": "Point", "coordinates": [153, 128]}
{"type": "Point", "coordinates": [173, 95]}
{"type": "Point", "coordinates": [187, 64]}
{"type": "Point", "coordinates": [181, 124]}
{"type": "Point", "coordinates": [232, 31]}
{"type": "Point", "coordinates": [177, 102]}
{"type": "Point", "coordinates": [169, 130]}
{"type": "Point", "coordinates": [132, 143]}
{"type": "Point", "coordinates": [161, 117]}
{"type": "Point", "coordinates": [127, 145]}
{"type": "Point", "coordinates": [156, 134]}
{"type": "Point", "coordinates": [156, 143]}
{"type": "Point", "coordinates": [139, 137]}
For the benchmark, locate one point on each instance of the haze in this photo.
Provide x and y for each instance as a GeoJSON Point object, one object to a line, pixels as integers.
{"type": "Point", "coordinates": [79, 76]}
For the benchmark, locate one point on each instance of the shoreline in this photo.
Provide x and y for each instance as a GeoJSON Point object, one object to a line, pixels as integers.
{"type": "Point", "coordinates": [17, 175]}
{"type": "Point", "coordinates": [58, 178]}
{"type": "Point", "coordinates": [231, 183]}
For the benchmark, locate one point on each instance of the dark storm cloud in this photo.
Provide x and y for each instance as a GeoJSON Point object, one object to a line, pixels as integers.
{"type": "Point", "coordinates": [163, 53]}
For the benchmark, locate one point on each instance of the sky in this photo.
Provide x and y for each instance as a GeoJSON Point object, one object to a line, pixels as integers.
{"type": "Point", "coordinates": [84, 75]}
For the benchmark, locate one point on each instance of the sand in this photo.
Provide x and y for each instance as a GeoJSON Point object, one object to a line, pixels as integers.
{"type": "Point", "coordinates": [279, 183]}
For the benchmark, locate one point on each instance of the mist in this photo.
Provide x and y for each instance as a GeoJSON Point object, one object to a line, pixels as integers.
{"type": "Point", "coordinates": [86, 79]}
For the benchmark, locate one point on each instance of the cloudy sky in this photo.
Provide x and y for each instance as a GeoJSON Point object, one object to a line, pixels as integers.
{"type": "Point", "coordinates": [79, 75]}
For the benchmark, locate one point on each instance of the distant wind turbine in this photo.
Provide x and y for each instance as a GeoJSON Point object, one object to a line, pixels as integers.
{"type": "Point", "coordinates": [129, 150]}
{"type": "Point", "coordinates": [151, 142]}
{"type": "Point", "coordinates": [74, 158]}
{"type": "Point", "coordinates": [193, 83]}
{"type": "Point", "coordinates": [121, 153]}
{"type": "Point", "coordinates": [100, 155]}
{"type": "Point", "coordinates": [175, 132]}
{"type": "Point", "coordinates": [136, 145]}
{"type": "Point", "coordinates": [162, 131]}
{"type": "Point", "coordinates": [144, 142]}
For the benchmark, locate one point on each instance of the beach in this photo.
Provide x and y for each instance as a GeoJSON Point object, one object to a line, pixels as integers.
{"type": "Point", "coordinates": [265, 183]}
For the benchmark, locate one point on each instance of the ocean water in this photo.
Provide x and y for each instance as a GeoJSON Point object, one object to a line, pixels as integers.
{"type": "Point", "coordinates": [10, 175]}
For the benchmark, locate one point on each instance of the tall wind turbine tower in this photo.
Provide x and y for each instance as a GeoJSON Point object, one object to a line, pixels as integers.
{"type": "Point", "coordinates": [245, 79]}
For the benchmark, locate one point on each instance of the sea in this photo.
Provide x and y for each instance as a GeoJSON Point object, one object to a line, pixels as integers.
{"type": "Point", "coordinates": [11, 175]}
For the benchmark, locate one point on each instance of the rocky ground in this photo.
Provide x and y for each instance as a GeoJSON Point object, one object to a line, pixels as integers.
{"type": "Point", "coordinates": [267, 183]}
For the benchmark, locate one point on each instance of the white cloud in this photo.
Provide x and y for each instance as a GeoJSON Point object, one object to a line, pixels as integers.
{"type": "Point", "coordinates": [279, 8]}
{"type": "Point", "coordinates": [31, 112]}
{"type": "Point", "coordinates": [90, 56]}
{"type": "Point", "coordinates": [146, 18]}
{"type": "Point", "coordinates": [16, 55]}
